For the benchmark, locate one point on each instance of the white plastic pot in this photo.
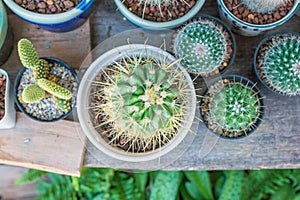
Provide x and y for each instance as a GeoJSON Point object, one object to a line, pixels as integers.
{"type": "Point", "coordinates": [95, 138]}
{"type": "Point", "coordinates": [147, 24]}
{"type": "Point", "coordinates": [9, 119]}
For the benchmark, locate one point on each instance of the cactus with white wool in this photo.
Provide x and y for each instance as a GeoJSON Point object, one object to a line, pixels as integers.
{"type": "Point", "coordinates": [263, 6]}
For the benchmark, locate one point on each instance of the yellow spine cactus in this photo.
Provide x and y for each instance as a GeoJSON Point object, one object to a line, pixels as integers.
{"type": "Point", "coordinates": [27, 54]}
{"type": "Point", "coordinates": [54, 89]}
{"type": "Point", "coordinates": [42, 70]}
{"type": "Point", "coordinates": [32, 93]}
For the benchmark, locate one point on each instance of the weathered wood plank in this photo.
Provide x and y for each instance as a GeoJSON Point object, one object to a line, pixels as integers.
{"type": "Point", "coordinates": [274, 145]}
{"type": "Point", "coordinates": [54, 147]}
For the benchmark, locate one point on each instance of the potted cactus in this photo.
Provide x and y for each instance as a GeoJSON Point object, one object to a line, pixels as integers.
{"type": "Point", "coordinates": [44, 87]}
{"type": "Point", "coordinates": [232, 107]}
{"type": "Point", "coordinates": [277, 63]}
{"type": "Point", "coordinates": [7, 107]}
{"type": "Point", "coordinates": [141, 103]}
{"type": "Point", "coordinates": [253, 17]}
{"type": "Point", "coordinates": [206, 46]}
{"type": "Point", "coordinates": [159, 14]}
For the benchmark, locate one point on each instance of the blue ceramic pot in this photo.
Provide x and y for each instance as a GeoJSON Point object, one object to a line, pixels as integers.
{"type": "Point", "coordinates": [147, 24]}
{"type": "Point", "coordinates": [17, 82]}
{"type": "Point", "coordinates": [62, 22]}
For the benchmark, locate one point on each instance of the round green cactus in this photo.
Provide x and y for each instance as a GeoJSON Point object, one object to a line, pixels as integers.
{"type": "Point", "coordinates": [143, 100]}
{"type": "Point", "coordinates": [64, 105]}
{"type": "Point", "coordinates": [202, 46]}
{"type": "Point", "coordinates": [235, 107]}
{"type": "Point", "coordinates": [27, 54]}
{"type": "Point", "coordinates": [54, 89]}
{"type": "Point", "coordinates": [42, 70]}
{"type": "Point", "coordinates": [32, 93]}
{"type": "Point", "coordinates": [263, 6]}
{"type": "Point", "coordinates": [279, 64]}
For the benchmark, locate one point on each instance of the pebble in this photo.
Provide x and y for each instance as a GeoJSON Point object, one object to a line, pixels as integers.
{"type": "Point", "coordinates": [2, 95]}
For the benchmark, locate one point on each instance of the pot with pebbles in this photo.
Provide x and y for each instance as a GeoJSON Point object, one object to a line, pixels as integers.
{"type": "Point", "coordinates": [159, 14]}
{"type": "Point", "coordinates": [232, 107]}
{"type": "Point", "coordinates": [136, 103]}
{"type": "Point", "coordinates": [277, 63]}
{"type": "Point", "coordinates": [6, 36]}
{"type": "Point", "coordinates": [53, 15]}
{"type": "Point", "coordinates": [253, 17]}
{"type": "Point", "coordinates": [206, 46]}
{"type": "Point", "coordinates": [7, 107]}
{"type": "Point", "coordinates": [45, 87]}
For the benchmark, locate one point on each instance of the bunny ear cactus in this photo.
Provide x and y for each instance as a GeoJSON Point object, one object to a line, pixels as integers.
{"type": "Point", "coordinates": [54, 89]}
{"type": "Point", "coordinates": [32, 93]}
{"type": "Point", "coordinates": [263, 6]}
{"type": "Point", "coordinates": [42, 69]}
{"type": "Point", "coordinates": [202, 46]}
{"type": "Point", "coordinates": [145, 101]}
{"type": "Point", "coordinates": [27, 54]}
{"type": "Point", "coordinates": [278, 63]}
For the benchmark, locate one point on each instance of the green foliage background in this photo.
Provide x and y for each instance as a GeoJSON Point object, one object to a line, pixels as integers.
{"type": "Point", "coordinates": [111, 184]}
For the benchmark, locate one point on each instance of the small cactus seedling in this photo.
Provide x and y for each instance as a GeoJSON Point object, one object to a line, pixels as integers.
{"type": "Point", "coordinates": [32, 93]}
{"type": "Point", "coordinates": [278, 63]}
{"type": "Point", "coordinates": [143, 100]}
{"type": "Point", "coordinates": [231, 108]}
{"type": "Point", "coordinates": [263, 6]}
{"type": "Point", "coordinates": [54, 89]}
{"type": "Point", "coordinates": [27, 54]}
{"type": "Point", "coordinates": [202, 45]}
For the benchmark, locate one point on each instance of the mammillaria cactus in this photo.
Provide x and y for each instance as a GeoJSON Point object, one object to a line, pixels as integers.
{"type": "Point", "coordinates": [54, 89]}
{"type": "Point", "coordinates": [231, 107]}
{"type": "Point", "coordinates": [42, 69]}
{"type": "Point", "coordinates": [32, 93]}
{"type": "Point", "coordinates": [278, 63]}
{"type": "Point", "coordinates": [204, 47]}
{"type": "Point", "coordinates": [27, 54]}
{"type": "Point", "coordinates": [143, 100]}
{"type": "Point", "coordinates": [263, 6]}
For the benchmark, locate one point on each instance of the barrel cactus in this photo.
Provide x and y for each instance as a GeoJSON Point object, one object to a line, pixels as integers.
{"type": "Point", "coordinates": [143, 100]}
{"type": "Point", "coordinates": [232, 108]}
{"type": "Point", "coordinates": [203, 47]}
{"type": "Point", "coordinates": [278, 63]}
{"type": "Point", "coordinates": [263, 6]}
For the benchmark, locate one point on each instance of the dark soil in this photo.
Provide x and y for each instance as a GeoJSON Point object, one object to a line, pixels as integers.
{"type": "Point", "coordinates": [48, 6]}
{"type": "Point", "coordinates": [2, 95]}
{"type": "Point", "coordinates": [241, 12]}
{"type": "Point", "coordinates": [163, 13]}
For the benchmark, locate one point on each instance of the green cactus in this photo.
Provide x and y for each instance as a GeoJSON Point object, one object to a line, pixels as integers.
{"type": "Point", "coordinates": [263, 6]}
{"type": "Point", "coordinates": [42, 70]}
{"type": "Point", "coordinates": [27, 54]}
{"type": "Point", "coordinates": [64, 105]}
{"type": "Point", "coordinates": [144, 100]}
{"type": "Point", "coordinates": [202, 46]}
{"type": "Point", "coordinates": [32, 93]}
{"type": "Point", "coordinates": [54, 89]}
{"type": "Point", "coordinates": [278, 64]}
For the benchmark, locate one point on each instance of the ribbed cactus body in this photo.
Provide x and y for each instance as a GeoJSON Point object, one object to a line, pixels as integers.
{"type": "Point", "coordinates": [54, 89]}
{"type": "Point", "coordinates": [143, 101]}
{"type": "Point", "coordinates": [201, 45]}
{"type": "Point", "coordinates": [235, 107]}
{"type": "Point", "coordinates": [262, 6]}
{"type": "Point", "coordinates": [32, 93]}
{"type": "Point", "coordinates": [279, 63]}
{"type": "Point", "coordinates": [42, 70]}
{"type": "Point", "coordinates": [27, 54]}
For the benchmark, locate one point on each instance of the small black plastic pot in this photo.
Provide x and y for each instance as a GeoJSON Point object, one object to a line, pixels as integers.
{"type": "Point", "coordinates": [244, 81]}
{"type": "Point", "coordinates": [233, 41]}
{"type": "Point", "coordinates": [17, 81]}
{"type": "Point", "coordinates": [256, 54]}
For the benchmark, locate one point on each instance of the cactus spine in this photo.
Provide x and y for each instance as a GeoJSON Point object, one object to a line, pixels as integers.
{"type": "Point", "coordinates": [143, 100]}
{"type": "Point", "coordinates": [279, 64]}
{"type": "Point", "coordinates": [263, 6]}
{"type": "Point", "coordinates": [202, 46]}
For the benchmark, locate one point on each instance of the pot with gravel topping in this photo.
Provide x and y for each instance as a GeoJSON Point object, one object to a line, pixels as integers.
{"type": "Point", "coordinates": [53, 15]}
{"type": "Point", "coordinates": [7, 107]}
{"type": "Point", "coordinates": [253, 17]}
{"type": "Point", "coordinates": [45, 87]}
{"type": "Point", "coordinates": [159, 14]}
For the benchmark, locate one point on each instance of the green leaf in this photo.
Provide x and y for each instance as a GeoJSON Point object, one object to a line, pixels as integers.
{"type": "Point", "coordinates": [233, 185]}
{"type": "Point", "coordinates": [284, 192]}
{"type": "Point", "coordinates": [30, 176]}
{"type": "Point", "coordinates": [184, 193]}
{"type": "Point", "coordinates": [202, 181]}
{"type": "Point", "coordinates": [193, 190]}
{"type": "Point", "coordinates": [141, 179]}
{"type": "Point", "coordinates": [166, 185]}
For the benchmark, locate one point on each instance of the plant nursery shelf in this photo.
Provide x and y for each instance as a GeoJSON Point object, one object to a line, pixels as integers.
{"type": "Point", "coordinates": [57, 147]}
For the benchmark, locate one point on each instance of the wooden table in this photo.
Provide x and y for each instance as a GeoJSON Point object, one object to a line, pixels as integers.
{"type": "Point", "coordinates": [275, 144]}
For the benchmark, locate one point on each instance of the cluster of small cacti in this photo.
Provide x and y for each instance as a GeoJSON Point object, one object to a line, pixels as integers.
{"type": "Point", "coordinates": [262, 6]}
{"type": "Point", "coordinates": [44, 83]}
{"type": "Point", "coordinates": [145, 101]}
{"type": "Point", "coordinates": [279, 64]}
{"type": "Point", "coordinates": [202, 46]}
{"type": "Point", "coordinates": [233, 107]}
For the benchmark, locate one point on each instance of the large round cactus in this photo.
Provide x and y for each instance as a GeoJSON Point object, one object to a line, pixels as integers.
{"type": "Point", "coordinates": [144, 102]}
{"type": "Point", "coordinates": [278, 63]}
{"type": "Point", "coordinates": [263, 6]}
{"type": "Point", "coordinates": [202, 46]}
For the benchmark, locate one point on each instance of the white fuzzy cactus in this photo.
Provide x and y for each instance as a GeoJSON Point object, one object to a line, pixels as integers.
{"type": "Point", "coordinates": [262, 6]}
